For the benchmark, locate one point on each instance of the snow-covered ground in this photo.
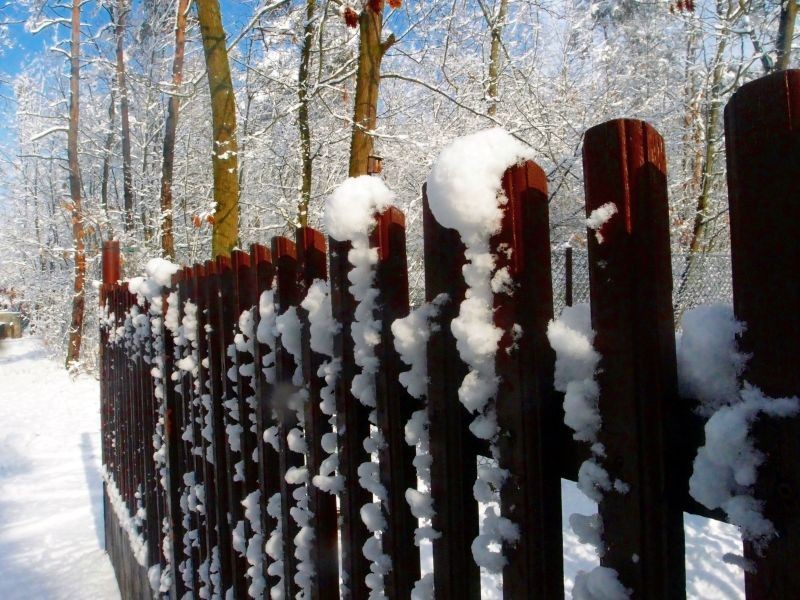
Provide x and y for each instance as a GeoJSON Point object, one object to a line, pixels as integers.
{"type": "Point", "coordinates": [51, 503]}
{"type": "Point", "coordinates": [51, 519]}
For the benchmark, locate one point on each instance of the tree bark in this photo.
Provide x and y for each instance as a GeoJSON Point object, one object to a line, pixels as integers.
{"type": "Point", "coordinates": [223, 119]}
{"type": "Point", "coordinates": [127, 174]}
{"type": "Point", "coordinates": [368, 78]}
{"type": "Point", "coordinates": [302, 116]}
{"type": "Point", "coordinates": [170, 129]}
{"type": "Point", "coordinates": [109, 146]}
{"type": "Point", "coordinates": [496, 27]}
{"type": "Point", "coordinates": [78, 296]}
{"type": "Point", "coordinates": [785, 34]}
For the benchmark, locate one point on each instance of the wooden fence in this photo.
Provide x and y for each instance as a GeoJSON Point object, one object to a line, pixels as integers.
{"type": "Point", "coordinates": [182, 497]}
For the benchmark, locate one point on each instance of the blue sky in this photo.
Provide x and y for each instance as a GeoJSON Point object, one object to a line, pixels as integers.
{"type": "Point", "coordinates": [26, 45]}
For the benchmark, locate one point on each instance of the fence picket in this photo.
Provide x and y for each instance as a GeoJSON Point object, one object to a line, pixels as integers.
{"type": "Point", "coordinates": [454, 450]}
{"type": "Point", "coordinates": [216, 373]}
{"type": "Point", "coordinates": [284, 254]}
{"type": "Point", "coordinates": [395, 406]}
{"type": "Point", "coordinates": [352, 424]}
{"type": "Point", "coordinates": [763, 152]}
{"type": "Point", "coordinates": [528, 413]}
{"type": "Point", "coordinates": [312, 259]}
{"type": "Point", "coordinates": [268, 460]}
{"type": "Point", "coordinates": [649, 436]}
{"type": "Point", "coordinates": [631, 291]}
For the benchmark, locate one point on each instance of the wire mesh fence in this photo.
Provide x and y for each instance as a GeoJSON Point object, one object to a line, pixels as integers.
{"type": "Point", "coordinates": [697, 279]}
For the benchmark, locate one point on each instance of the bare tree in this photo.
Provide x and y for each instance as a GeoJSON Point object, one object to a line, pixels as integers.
{"type": "Point", "coordinates": [78, 295]}
{"type": "Point", "coordinates": [127, 176]}
{"type": "Point", "coordinates": [371, 51]}
{"type": "Point", "coordinates": [225, 234]}
{"type": "Point", "coordinates": [170, 128]}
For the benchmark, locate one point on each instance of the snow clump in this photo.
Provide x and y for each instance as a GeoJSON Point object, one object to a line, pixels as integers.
{"type": "Point", "coordinates": [465, 193]}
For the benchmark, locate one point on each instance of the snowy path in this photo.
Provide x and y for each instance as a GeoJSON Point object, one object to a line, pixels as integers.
{"type": "Point", "coordinates": [51, 506]}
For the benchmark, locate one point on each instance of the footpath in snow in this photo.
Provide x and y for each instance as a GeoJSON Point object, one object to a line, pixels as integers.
{"type": "Point", "coordinates": [51, 493]}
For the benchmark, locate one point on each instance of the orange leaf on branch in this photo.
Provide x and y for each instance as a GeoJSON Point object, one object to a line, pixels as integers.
{"type": "Point", "coordinates": [395, 3]}
{"type": "Point", "coordinates": [350, 17]}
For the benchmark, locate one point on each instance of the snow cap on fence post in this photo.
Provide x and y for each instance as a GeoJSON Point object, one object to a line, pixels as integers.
{"type": "Point", "coordinates": [762, 131]}
{"type": "Point", "coordinates": [482, 186]}
{"type": "Point", "coordinates": [636, 464]}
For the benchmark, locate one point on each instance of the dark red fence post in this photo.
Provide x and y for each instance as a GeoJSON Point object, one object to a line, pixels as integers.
{"type": "Point", "coordinates": [394, 407]}
{"type": "Point", "coordinates": [284, 253]}
{"type": "Point", "coordinates": [568, 276]}
{"type": "Point", "coordinates": [312, 259]}
{"type": "Point", "coordinates": [268, 460]}
{"type": "Point", "coordinates": [352, 424]}
{"type": "Point", "coordinates": [173, 418]}
{"type": "Point", "coordinates": [454, 450]}
{"type": "Point", "coordinates": [228, 318]}
{"type": "Point", "coordinates": [631, 302]}
{"type": "Point", "coordinates": [204, 473]}
{"type": "Point", "coordinates": [216, 373]}
{"type": "Point", "coordinates": [762, 127]}
{"type": "Point", "coordinates": [528, 414]}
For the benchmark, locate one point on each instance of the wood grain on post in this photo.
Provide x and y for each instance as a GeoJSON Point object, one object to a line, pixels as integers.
{"type": "Point", "coordinates": [200, 555]}
{"type": "Point", "coordinates": [173, 455]}
{"type": "Point", "coordinates": [245, 292]}
{"type": "Point", "coordinates": [312, 261]}
{"type": "Point", "coordinates": [215, 374]}
{"type": "Point", "coordinates": [204, 414]}
{"type": "Point", "coordinates": [630, 277]}
{"type": "Point", "coordinates": [394, 406]}
{"type": "Point", "coordinates": [762, 130]}
{"type": "Point", "coordinates": [284, 253]}
{"type": "Point", "coordinates": [186, 424]}
{"type": "Point", "coordinates": [454, 450]}
{"type": "Point", "coordinates": [228, 317]}
{"type": "Point", "coordinates": [528, 414]}
{"type": "Point", "coordinates": [352, 424]}
{"type": "Point", "coordinates": [268, 460]}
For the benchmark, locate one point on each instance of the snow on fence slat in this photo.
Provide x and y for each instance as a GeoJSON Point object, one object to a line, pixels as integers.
{"type": "Point", "coordinates": [262, 437]}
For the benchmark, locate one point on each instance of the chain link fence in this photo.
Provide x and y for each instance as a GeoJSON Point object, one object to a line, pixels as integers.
{"type": "Point", "coordinates": [701, 279]}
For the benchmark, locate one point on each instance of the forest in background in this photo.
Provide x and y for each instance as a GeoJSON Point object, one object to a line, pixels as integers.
{"type": "Point", "coordinates": [135, 123]}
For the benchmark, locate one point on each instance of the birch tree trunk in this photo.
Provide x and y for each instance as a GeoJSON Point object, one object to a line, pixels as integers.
{"type": "Point", "coordinates": [78, 296]}
{"type": "Point", "coordinates": [496, 28]}
{"type": "Point", "coordinates": [302, 116]}
{"type": "Point", "coordinates": [223, 119]}
{"type": "Point", "coordinates": [785, 34]}
{"type": "Point", "coordinates": [370, 54]}
{"type": "Point", "coordinates": [122, 86]}
{"type": "Point", "coordinates": [170, 129]}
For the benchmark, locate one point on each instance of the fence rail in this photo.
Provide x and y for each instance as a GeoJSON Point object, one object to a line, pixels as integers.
{"type": "Point", "coordinates": [219, 409]}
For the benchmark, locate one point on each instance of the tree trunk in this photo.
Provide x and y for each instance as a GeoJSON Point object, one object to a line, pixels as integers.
{"type": "Point", "coordinates": [78, 297]}
{"type": "Point", "coordinates": [785, 34]}
{"type": "Point", "coordinates": [109, 146]}
{"type": "Point", "coordinates": [368, 78]}
{"type": "Point", "coordinates": [127, 176]}
{"type": "Point", "coordinates": [302, 116]}
{"type": "Point", "coordinates": [223, 119]}
{"type": "Point", "coordinates": [170, 129]}
{"type": "Point", "coordinates": [496, 27]}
